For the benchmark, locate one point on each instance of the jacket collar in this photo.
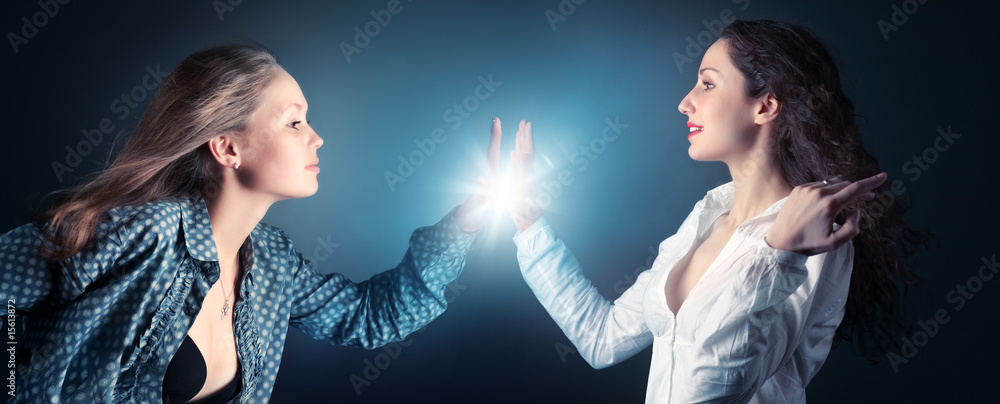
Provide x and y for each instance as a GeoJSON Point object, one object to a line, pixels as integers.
{"type": "Point", "coordinates": [198, 229]}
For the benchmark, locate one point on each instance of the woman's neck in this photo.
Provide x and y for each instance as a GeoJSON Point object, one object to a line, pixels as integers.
{"type": "Point", "coordinates": [757, 184]}
{"type": "Point", "coordinates": [234, 213]}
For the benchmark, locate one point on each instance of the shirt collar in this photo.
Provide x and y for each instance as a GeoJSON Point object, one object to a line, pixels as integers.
{"type": "Point", "coordinates": [198, 229]}
{"type": "Point", "coordinates": [720, 199]}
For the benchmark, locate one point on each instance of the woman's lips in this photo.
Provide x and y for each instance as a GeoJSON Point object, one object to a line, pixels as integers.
{"type": "Point", "coordinates": [314, 166]}
{"type": "Point", "coordinates": [694, 129]}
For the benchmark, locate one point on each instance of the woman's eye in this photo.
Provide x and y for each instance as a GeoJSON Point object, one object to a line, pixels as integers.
{"type": "Point", "coordinates": [294, 124]}
{"type": "Point", "coordinates": [708, 86]}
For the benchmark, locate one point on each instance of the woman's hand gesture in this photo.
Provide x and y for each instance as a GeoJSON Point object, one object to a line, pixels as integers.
{"type": "Point", "coordinates": [805, 223]}
{"type": "Point", "coordinates": [474, 212]}
{"type": "Point", "coordinates": [524, 208]}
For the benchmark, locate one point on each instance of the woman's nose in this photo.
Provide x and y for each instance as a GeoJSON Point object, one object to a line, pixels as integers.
{"type": "Point", "coordinates": [685, 106]}
{"type": "Point", "coordinates": [319, 140]}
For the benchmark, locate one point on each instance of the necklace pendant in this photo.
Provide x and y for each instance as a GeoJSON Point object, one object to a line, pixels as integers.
{"type": "Point", "coordinates": [225, 309]}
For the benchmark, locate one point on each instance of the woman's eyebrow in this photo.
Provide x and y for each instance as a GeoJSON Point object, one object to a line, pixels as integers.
{"type": "Point", "coordinates": [707, 68]}
{"type": "Point", "coordinates": [292, 105]}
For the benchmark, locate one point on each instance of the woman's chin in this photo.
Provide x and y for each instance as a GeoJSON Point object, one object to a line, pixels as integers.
{"type": "Point", "coordinates": [298, 194]}
{"type": "Point", "coordinates": [700, 155]}
{"type": "Point", "coordinates": [695, 155]}
{"type": "Point", "coordinates": [314, 190]}
{"type": "Point", "coordinates": [309, 193]}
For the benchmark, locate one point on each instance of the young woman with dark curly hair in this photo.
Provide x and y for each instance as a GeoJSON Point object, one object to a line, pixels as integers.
{"type": "Point", "coordinates": [743, 303]}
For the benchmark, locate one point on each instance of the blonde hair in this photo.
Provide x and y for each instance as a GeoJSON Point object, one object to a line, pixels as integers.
{"type": "Point", "coordinates": [212, 92]}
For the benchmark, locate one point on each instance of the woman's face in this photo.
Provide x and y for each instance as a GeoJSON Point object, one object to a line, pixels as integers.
{"type": "Point", "coordinates": [720, 115]}
{"type": "Point", "coordinates": [282, 160]}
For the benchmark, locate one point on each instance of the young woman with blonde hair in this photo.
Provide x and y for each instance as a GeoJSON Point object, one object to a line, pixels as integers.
{"type": "Point", "coordinates": [156, 281]}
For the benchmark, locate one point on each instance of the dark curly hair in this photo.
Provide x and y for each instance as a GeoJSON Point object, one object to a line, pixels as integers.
{"type": "Point", "coordinates": [817, 138]}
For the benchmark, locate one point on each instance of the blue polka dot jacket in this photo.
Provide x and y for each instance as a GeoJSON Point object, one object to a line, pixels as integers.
{"type": "Point", "coordinates": [103, 325]}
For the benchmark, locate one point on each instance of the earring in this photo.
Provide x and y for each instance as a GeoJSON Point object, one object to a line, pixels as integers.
{"type": "Point", "coordinates": [236, 166]}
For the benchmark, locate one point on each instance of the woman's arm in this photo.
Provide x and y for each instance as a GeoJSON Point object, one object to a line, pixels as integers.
{"type": "Point", "coordinates": [390, 305]}
{"type": "Point", "coordinates": [395, 303]}
{"type": "Point", "coordinates": [604, 333]}
{"type": "Point", "coordinates": [29, 276]}
{"type": "Point", "coordinates": [26, 278]}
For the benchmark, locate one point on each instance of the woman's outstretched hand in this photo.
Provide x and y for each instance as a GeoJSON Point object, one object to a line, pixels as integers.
{"type": "Point", "coordinates": [474, 212]}
{"type": "Point", "coordinates": [521, 201]}
{"type": "Point", "coordinates": [524, 208]}
{"type": "Point", "coordinates": [805, 223]}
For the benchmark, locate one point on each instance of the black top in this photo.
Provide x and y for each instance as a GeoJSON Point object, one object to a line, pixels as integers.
{"type": "Point", "coordinates": [186, 375]}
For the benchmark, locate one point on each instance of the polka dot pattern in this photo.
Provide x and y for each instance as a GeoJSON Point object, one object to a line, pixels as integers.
{"type": "Point", "coordinates": [103, 325]}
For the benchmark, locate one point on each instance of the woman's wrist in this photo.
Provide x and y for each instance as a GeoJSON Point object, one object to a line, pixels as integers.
{"type": "Point", "coordinates": [466, 221]}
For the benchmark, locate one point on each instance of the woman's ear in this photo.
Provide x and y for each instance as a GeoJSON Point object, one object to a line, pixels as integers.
{"type": "Point", "coordinates": [225, 150]}
{"type": "Point", "coordinates": [767, 110]}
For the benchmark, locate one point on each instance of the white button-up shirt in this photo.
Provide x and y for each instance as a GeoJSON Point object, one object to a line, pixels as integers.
{"type": "Point", "coordinates": [755, 328]}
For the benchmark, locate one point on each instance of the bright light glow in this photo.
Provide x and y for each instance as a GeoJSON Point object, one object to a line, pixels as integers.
{"type": "Point", "coordinates": [503, 195]}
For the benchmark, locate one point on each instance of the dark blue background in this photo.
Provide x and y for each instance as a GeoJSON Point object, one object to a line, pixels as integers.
{"type": "Point", "coordinates": [607, 59]}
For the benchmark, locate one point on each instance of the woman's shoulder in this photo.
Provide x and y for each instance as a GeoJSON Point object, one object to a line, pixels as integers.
{"type": "Point", "coordinates": [271, 237]}
{"type": "Point", "coordinates": [153, 214]}
{"type": "Point", "coordinates": [148, 222]}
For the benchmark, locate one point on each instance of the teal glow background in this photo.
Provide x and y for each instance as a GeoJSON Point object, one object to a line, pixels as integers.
{"type": "Point", "coordinates": [605, 60]}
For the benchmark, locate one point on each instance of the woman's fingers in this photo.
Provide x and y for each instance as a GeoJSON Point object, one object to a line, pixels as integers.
{"type": "Point", "coordinates": [493, 151]}
{"type": "Point", "coordinates": [857, 189]}
{"type": "Point", "coordinates": [519, 138]}
{"type": "Point", "coordinates": [529, 140]}
{"type": "Point", "coordinates": [848, 192]}
{"type": "Point", "coordinates": [849, 230]}
{"type": "Point", "coordinates": [524, 210]}
{"type": "Point", "coordinates": [523, 145]}
{"type": "Point", "coordinates": [805, 222]}
{"type": "Point", "coordinates": [484, 185]}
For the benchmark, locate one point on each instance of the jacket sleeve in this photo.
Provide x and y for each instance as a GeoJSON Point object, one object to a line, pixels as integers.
{"type": "Point", "coordinates": [388, 306]}
{"type": "Point", "coordinates": [767, 309]}
{"type": "Point", "coordinates": [603, 332]}
{"type": "Point", "coordinates": [26, 275]}
{"type": "Point", "coordinates": [31, 278]}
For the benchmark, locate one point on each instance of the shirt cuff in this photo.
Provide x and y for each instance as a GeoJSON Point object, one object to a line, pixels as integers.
{"type": "Point", "coordinates": [534, 234]}
{"type": "Point", "coordinates": [782, 256]}
{"type": "Point", "coordinates": [451, 239]}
